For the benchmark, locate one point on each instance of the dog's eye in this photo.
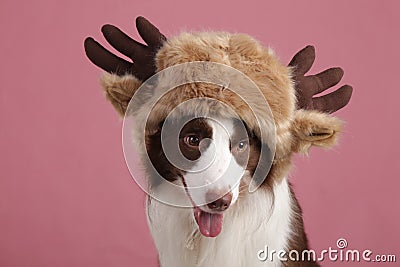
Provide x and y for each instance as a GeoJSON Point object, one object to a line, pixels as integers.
{"type": "Point", "coordinates": [192, 140]}
{"type": "Point", "coordinates": [242, 146]}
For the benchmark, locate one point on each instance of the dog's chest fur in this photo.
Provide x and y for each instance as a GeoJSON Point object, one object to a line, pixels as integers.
{"type": "Point", "coordinates": [254, 222]}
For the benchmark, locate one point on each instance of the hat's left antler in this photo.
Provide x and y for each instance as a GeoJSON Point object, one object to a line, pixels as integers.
{"type": "Point", "coordinates": [142, 55]}
{"type": "Point", "coordinates": [308, 86]}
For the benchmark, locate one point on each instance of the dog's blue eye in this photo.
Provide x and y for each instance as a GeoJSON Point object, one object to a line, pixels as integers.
{"type": "Point", "coordinates": [192, 140]}
{"type": "Point", "coordinates": [242, 146]}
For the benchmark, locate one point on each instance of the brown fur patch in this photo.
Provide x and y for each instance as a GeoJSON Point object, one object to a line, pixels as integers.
{"type": "Point", "coordinates": [298, 239]}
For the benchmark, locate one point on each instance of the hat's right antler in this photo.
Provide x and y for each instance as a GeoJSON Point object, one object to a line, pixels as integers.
{"type": "Point", "coordinates": [142, 56]}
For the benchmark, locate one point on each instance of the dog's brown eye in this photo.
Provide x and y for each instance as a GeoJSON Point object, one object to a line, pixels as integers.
{"type": "Point", "coordinates": [192, 140]}
{"type": "Point", "coordinates": [242, 146]}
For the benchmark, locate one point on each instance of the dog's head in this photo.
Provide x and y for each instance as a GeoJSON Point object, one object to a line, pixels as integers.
{"type": "Point", "coordinates": [215, 146]}
{"type": "Point", "coordinates": [212, 159]}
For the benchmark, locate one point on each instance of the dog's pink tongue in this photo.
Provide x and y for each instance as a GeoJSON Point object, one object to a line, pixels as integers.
{"type": "Point", "coordinates": [210, 224]}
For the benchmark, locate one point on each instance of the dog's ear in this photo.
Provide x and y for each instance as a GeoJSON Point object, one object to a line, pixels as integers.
{"type": "Point", "coordinates": [313, 128]}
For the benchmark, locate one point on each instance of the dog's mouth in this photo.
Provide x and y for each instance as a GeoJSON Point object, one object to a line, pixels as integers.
{"type": "Point", "coordinates": [210, 224]}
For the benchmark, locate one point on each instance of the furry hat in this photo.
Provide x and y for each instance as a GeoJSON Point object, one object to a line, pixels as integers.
{"type": "Point", "coordinates": [294, 130]}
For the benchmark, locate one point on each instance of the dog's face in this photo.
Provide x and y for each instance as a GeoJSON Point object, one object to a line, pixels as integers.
{"type": "Point", "coordinates": [212, 160]}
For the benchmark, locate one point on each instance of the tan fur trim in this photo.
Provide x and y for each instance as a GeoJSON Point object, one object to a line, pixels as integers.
{"type": "Point", "coordinates": [245, 54]}
{"type": "Point", "coordinates": [241, 52]}
{"type": "Point", "coordinates": [119, 90]}
{"type": "Point", "coordinates": [313, 128]}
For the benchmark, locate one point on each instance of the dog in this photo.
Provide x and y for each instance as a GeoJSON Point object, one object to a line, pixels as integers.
{"type": "Point", "coordinates": [201, 161]}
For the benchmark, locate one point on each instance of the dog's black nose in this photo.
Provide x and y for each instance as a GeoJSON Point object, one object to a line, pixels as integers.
{"type": "Point", "coordinates": [220, 204]}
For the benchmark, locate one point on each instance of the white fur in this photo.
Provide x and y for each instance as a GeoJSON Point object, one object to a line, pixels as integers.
{"type": "Point", "coordinates": [249, 225]}
{"type": "Point", "coordinates": [223, 172]}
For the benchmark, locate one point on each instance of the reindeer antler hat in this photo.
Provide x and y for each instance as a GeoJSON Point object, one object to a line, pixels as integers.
{"type": "Point", "coordinates": [301, 120]}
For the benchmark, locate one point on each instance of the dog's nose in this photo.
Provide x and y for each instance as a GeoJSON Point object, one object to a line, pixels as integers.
{"type": "Point", "coordinates": [221, 203]}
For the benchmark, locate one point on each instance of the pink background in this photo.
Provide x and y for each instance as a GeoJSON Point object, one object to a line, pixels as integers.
{"type": "Point", "coordinates": [66, 196]}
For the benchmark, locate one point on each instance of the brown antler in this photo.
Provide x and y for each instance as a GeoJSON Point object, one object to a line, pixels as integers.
{"type": "Point", "coordinates": [142, 56]}
{"type": "Point", "coordinates": [308, 86]}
